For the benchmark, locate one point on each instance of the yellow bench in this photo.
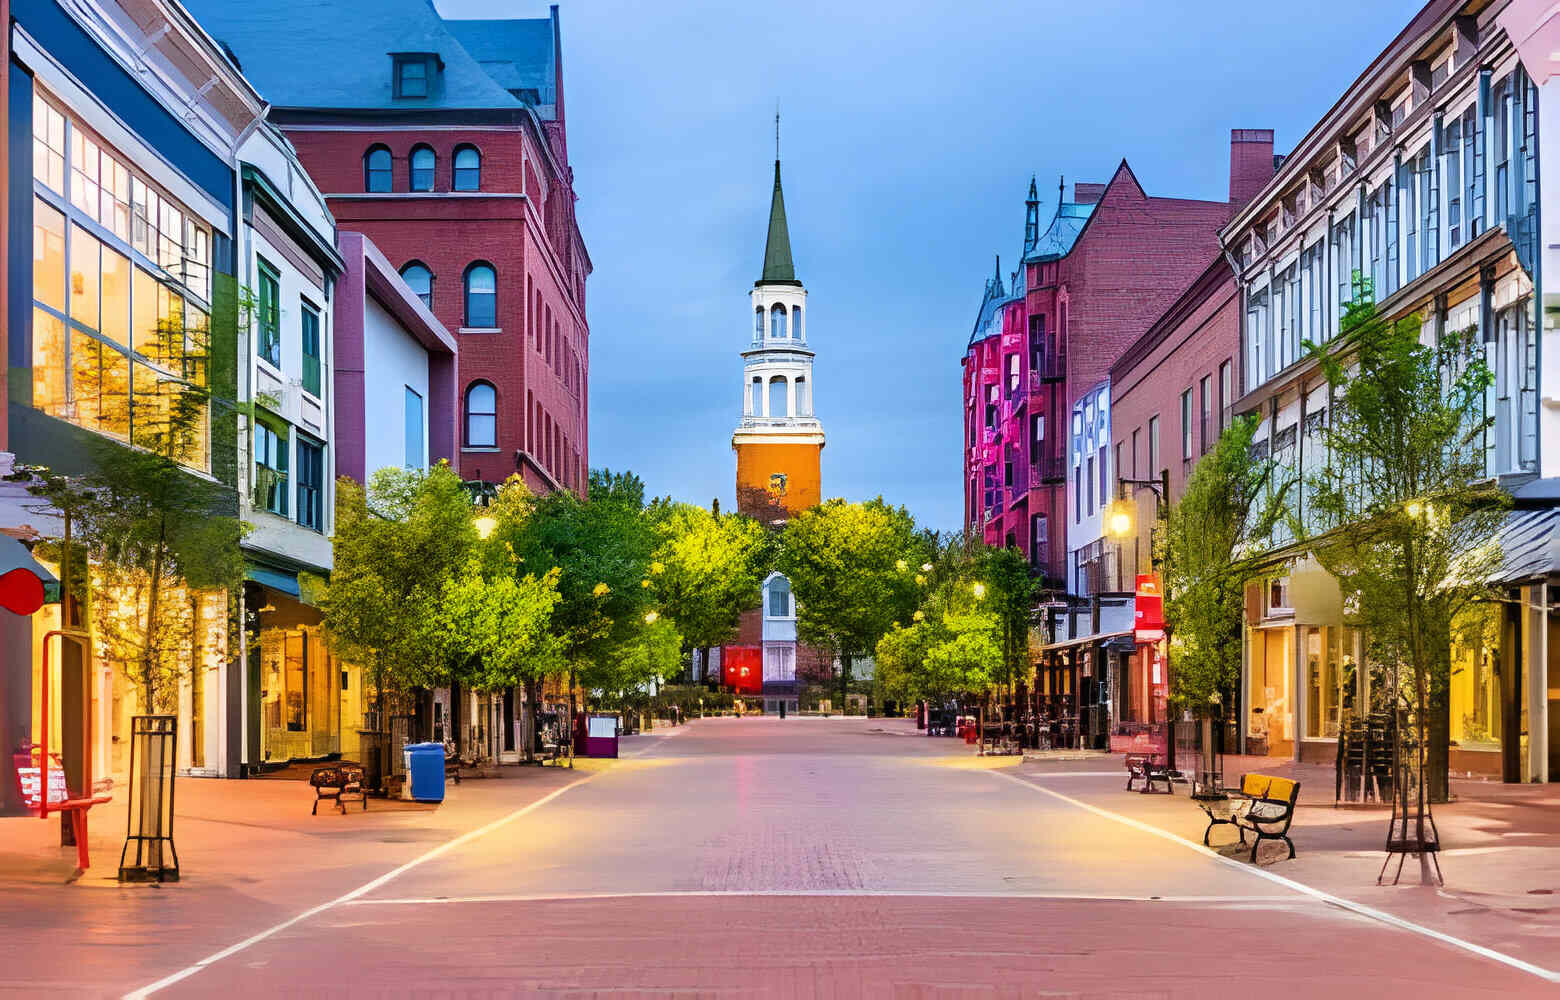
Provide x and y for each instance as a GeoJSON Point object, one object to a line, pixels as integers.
{"type": "Point", "coordinates": [1270, 810]}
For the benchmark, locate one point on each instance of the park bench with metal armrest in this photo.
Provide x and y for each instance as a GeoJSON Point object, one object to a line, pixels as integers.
{"type": "Point", "coordinates": [1148, 768]}
{"type": "Point", "coordinates": [1266, 810]}
{"type": "Point", "coordinates": [337, 783]}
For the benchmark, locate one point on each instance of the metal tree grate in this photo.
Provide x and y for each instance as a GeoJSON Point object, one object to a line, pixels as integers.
{"type": "Point", "coordinates": [149, 827]}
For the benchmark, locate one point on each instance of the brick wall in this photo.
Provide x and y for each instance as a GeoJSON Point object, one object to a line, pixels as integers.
{"type": "Point", "coordinates": [1199, 332]}
{"type": "Point", "coordinates": [539, 360]}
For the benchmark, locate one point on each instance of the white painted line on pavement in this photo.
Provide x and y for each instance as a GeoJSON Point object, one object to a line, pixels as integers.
{"type": "Point", "coordinates": [553, 897]}
{"type": "Point", "coordinates": [364, 889]}
{"type": "Point", "coordinates": [1369, 912]}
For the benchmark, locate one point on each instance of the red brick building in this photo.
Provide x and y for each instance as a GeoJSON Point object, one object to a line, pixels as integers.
{"type": "Point", "coordinates": [445, 142]}
{"type": "Point", "coordinates": [1107, 266]}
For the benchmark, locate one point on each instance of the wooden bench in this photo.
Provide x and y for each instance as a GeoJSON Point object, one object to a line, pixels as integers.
{"type": "Point", "coordinates": [337, 783]}
{"type": "Point", "coordinates": [1267, 809]}
{"type": "Point", "coordinates": [1148, 768]}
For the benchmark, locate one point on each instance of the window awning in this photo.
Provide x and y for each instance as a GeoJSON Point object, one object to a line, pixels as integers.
{"type": "Point", "coordinates": [286, 583]}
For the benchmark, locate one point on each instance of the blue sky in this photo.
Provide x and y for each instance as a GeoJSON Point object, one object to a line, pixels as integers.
{"type": "Point", "coordinates": [909, 133]}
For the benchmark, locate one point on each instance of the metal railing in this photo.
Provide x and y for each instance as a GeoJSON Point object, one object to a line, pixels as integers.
{"type": "Point", "coordinates": [1047, 469]}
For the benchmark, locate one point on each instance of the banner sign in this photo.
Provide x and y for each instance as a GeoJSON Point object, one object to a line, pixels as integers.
{"type": "Point", "coordinates": [741, 669]}
{"type": "Point", "coordinates": [1148, 609]}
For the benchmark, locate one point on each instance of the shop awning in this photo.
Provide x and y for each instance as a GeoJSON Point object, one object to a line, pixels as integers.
{"type": "Point", "coordinates": [1085, 639]}
{"type": "Point", "coordinates": [1529, 546]}
{"type": "Point", "coordinates": [286, 583]}
{"type": "Point", "coordinates": [22, 579]}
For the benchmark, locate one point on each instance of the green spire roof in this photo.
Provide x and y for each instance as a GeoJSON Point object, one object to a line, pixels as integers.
{"type": "Point", "coordinates": [778, 269]}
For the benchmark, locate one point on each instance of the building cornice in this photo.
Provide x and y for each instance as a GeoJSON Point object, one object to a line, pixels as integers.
{"type": "Point", "coordinates": [1358, 98]}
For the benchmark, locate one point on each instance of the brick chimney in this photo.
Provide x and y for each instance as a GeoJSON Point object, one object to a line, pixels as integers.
{"type": "Point", "coordinates": [1251, 162]}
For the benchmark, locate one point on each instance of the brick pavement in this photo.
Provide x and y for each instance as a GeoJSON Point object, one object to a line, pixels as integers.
{"type": "Point", "coordinates": [820, 858]}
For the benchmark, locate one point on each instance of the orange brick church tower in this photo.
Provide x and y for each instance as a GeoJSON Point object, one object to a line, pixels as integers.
{"type": "Point", "coordinates": [778, 441]}
{"type": "Point", "coordinates": [779, 444]}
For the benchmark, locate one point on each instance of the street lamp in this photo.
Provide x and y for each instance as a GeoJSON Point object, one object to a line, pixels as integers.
{"type": "Point", "coordinates": [652, 617]}
{"type": "Point", "coordinates": [979, 590]}
{"type": "Point", "coordinates": [485, 526]}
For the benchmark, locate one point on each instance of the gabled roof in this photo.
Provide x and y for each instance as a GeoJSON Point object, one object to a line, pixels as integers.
{"type": "Point", "coordinates": [346, 47]}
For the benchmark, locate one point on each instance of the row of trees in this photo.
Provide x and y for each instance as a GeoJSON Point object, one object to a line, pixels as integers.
{"type": "Point", "coordinates": [1400, 513]}
{"type": "Point", "coordinates": [606, 590]}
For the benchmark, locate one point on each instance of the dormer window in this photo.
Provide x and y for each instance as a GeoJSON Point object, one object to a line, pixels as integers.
{"type": "Point", "coordinates": [413, 73]}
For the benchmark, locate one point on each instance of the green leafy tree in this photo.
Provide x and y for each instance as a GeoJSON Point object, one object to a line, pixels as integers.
{"type": "Point", "coordinates": [705, 570]}
{"type": "Point", "coordinates": [602, 547]}
{"type": "Point", "coordinates": [1406, 519]}
{"type": "Point", "coordinates": [1215, 539]}
{"type": "Point", "coordinates": [398, 545]}
{"type": "Point", "coordinates": [153, 532]}
{"type": "Point", "coordinates": [952, 648]}
{"type": "Point", "coordinates": [851, 567]}
{"type": "Point", "coordinates": [1010, 593]}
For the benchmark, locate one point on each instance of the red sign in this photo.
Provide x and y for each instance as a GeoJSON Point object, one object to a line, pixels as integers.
{"type": "Point", "coordinates": [1148, 609]}
{"type": "Point", "coordinates": [741, 668]}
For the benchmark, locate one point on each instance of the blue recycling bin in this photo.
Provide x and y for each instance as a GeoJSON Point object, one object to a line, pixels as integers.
{"type": "Point", "coordinates": [425, 770]}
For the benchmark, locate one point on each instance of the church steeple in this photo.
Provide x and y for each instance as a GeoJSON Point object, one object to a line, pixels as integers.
{"type": "Point", "coordinates": [778, 269]}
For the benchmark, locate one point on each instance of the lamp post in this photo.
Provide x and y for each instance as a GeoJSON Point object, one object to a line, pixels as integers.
{"type": "Point", "coordinates": [1121, 522]}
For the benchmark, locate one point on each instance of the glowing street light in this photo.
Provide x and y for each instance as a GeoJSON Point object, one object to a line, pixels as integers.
{"type": "Point", "coordinates": [979, 590]}
{"type": "Point", "coordinates": [652, 617]}
{"type": "Point", "coordinates": [485, 526]}
{"type": "Point", "coordinates": [1120, 519]}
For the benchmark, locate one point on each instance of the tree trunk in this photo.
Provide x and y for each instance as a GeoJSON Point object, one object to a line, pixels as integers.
{"type": "Point", "coordinates": [844, 681]}
{"type": "Point", "coordinates": [148, 656]}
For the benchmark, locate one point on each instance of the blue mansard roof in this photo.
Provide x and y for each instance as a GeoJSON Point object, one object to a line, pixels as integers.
{"type": "Point", "coordinates": [345, 46]}
{"type": "Point", "coordinates": [1059, 237]}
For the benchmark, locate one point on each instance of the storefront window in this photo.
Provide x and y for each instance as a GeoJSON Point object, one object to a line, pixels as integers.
{"type": "Point", "coordinates": [1332, 679]}
{"type": "Point", "coordinates": [1475, 697]}
{"type": "Point", "coordinates": [112, 281]}
{"type": "Point", "coordinates": [1271, 720]}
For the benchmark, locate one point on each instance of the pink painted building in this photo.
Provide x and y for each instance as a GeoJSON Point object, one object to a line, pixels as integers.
{"type": "Point", "coordinates": [1109, 264]}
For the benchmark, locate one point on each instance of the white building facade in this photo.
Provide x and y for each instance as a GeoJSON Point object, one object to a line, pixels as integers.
{"type": "Point", "coordinates": [1423, 180]}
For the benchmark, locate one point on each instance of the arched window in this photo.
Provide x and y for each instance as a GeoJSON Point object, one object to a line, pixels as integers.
{"type": "Point", "coordinates": [758, 323]}
{"type": "Point", "coordinates": [803, 403]}
{"type": "Point", "coordinates": [481, 416]}
{"type": "Point", "coordinates": [796, 323]}
{"type": "Point", "coordinates": [779, 405]}
{"type": "Point", "coordinates": [421, 168]}
{"type": "Point", "coordinates": [777, 322]}
{"type": "Point", "coordinates": [755, 400]}
{"type": "Point", "coordinates": [420, 280]}
{"type": "Point", "coordinates": [376, 169]}
{"type": "Point", "coordinates": [481, 297]}
{"type": "Point", "coordinates": [468, 168]}
{"type": "Point", "coordinates": [779, 597]}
